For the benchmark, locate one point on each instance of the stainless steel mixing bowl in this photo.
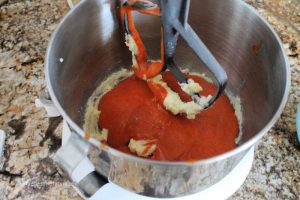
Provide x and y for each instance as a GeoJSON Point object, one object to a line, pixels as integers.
{"type": "Point", "coordinates": [88, 46]}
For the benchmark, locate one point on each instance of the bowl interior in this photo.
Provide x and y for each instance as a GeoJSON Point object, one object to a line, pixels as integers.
{"type": "Point", "coordinates": [91, 43]}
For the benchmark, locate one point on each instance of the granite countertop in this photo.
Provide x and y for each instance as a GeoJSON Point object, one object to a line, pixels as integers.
{"type": "Point", "coordinates": [27, 171]}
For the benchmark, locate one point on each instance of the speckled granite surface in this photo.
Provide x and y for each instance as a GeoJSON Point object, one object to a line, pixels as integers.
{"type": "Point", "coordinates": [27, 172]}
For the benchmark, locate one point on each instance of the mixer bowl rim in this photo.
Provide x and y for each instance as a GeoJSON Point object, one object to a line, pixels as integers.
{"type": "Point", "coordinates": [214, 159]}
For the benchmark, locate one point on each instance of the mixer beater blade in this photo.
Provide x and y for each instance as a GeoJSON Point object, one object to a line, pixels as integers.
{"type": "Point", "coordinates": [174, 18]}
